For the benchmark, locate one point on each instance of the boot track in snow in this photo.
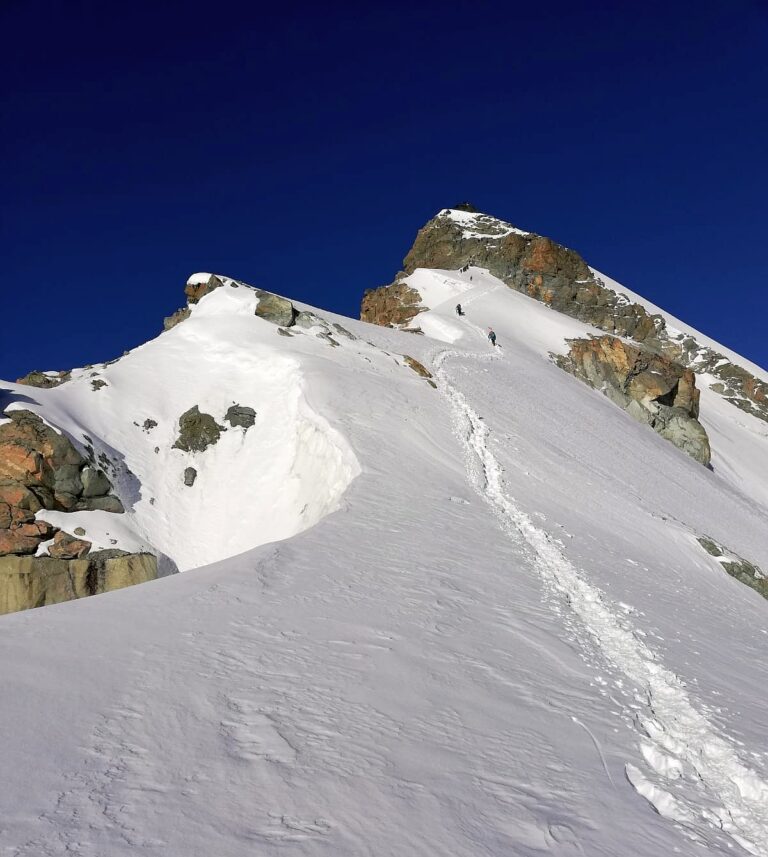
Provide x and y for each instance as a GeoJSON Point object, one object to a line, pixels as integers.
{"type": "Point", "coordinates": [678, 741]}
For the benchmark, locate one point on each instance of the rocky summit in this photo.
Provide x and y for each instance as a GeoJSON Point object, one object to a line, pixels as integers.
{"type": "Point", "coordinates": [462, 238]}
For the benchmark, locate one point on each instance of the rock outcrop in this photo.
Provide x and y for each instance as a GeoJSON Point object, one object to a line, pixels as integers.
{"type": "Point", "coordinates": [559, 277]}
{"type": "Point", "coordinates": [176, 317]}
{"type": "Point", "coordinates": [40, 469]}
{"type": "Point", "coordinates": [197, 431]}
{"type": "Point", "coordinates": [36, 581]}
{"type": "Point", "coordinates": [739, 568]}
{"type": "Point", "coordinates": [240, 415]}
{"type": "Point", "coordinates": [46, 380]}
{"type": "Point", "coordinates": [650, 387]}
{"type": "Point", "coordinates": [273, 308]}
{"type": "Point", "coordinates": [391, 306]}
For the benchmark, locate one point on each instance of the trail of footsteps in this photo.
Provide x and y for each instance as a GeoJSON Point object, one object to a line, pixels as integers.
{"type": "Point", "coordinates": [680, 740]}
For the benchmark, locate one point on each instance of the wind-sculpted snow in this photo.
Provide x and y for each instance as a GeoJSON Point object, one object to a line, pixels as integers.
{"type": "Point", "coordinates": [680, 741]}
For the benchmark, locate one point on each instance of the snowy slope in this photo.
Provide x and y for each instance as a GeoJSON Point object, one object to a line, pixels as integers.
{"type": "Point", "coordinates": [495, 634]}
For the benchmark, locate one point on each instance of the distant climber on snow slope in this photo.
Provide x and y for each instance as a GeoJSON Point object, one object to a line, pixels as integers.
{"type": "Point", "coordinates": [492, 336]}
{"type": "Point", "coordinates": [459, 310]}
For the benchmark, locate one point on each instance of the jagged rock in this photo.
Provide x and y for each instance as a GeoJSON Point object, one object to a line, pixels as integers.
{"type": "Point", "coordinates": [41, 469]}
{"type": "Point", "coordinates": [309, 319]}
{"type": "Point", "coordinates": [343, 331]}
{"type": "Point", "coordinates": [328, 338]}
{"type": "Point", "coordinates": [197, 431]}
{"type": "Point", "coordinates": [190, 474]}
{"type": "Point", "coordinates": [283, 332]}
{"type": "Point", "coordinates": [419, 369]}
{"type": "Point", "coordinates": [279, 311]}
{"type": "Point", "coordinates": [148, 425]}
{"type": "Point", "coordinates": [650, 387]}
{"type": "Point", "coordinates": [24, 536]}
{"type": "Point", "coordinates": [66, 546]}
{"type": "Point", "coordinates": [32, 581]}
{"type": "Point", "coordinates": [98, 384]}
{"type": "Point", "coordinates": [739, 568]}
{"type": "Point", "coordinates": [79, 531]}
{"type": "Point", "coordinates": [176, 317]}
{"type": "Point", "coordinates": [45, 380]}
{"type": "Point", "coordinates": [391, 306]}
{"type": "Point", "coordinates": [195, 290]}
{"type": "Point", "coordinates": [241, 415]}
{"type": "Point", "coordinates": [465, 206]}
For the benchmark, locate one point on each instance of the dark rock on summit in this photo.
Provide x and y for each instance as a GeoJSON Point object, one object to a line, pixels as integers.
{"type": "Point", "coordinates": [197, 431]}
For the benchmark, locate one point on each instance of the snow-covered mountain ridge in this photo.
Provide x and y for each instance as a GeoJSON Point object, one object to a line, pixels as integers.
{"type": "Point", "coordinates": [471, 616]}
{"type": "Point", "coordinates": [560, 278]}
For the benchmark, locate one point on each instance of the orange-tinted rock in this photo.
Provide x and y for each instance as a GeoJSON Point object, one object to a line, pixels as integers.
{"type": "Point", "coordinates": [391, 306]}
{"type": "Point", "coordinates": [68, 547]}
{"type": "Point", "coordinates": [650, 387]}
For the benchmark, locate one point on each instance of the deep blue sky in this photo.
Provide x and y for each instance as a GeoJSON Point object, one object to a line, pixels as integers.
{"type": "Point", "coordinates": [299, 147]}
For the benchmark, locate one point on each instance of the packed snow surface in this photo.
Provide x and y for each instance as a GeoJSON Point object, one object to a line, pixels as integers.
{"type": "Point", "coordinates": [495, 634]}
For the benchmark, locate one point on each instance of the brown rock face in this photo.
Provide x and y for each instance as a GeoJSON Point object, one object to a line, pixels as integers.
{"type": "Point", "coordinates": [41, 469]}
{"type": "Point", "coordinates": [195, 291]}
{"type": "Point", "coordinates": [68, 547]}
{"type": "Point", "coordinates": [650, 387]}
{"type": "Point", "coordinates": [391, 306]}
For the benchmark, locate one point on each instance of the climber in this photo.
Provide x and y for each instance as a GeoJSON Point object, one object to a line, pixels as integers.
{"type": "Point", "coordinates": [459, 310]}
{"type": "Point", "coordinates": [492, 336]}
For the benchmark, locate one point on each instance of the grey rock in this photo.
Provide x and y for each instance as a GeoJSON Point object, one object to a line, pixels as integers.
{"type": "Point", "coordinates": [98, 384]}
{"type": "Point", "coordinates": [241, 415]}
{"type": "Point", "coordinates": [197, 431]}
{"type": "Point", "coordinates": [95, 482]}
{"type": "Point", "coordinates": [343, 331]}
{"type": "Point", "coordinates": [110, 503]}
{"type": "Point", "coordinates": [309, 319]}
{"type": "Point", "coordinates": [67, 480]}
{"type": "Point", "coordinates": [190, 474]}
{"type": "Point", "coordinates": [273, 308]}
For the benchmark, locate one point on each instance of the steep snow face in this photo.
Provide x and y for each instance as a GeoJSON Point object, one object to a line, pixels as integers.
{"type": "Point", "coordinates": [506, 639]}
{"type": "Point", "coordinates": [254, 485]}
